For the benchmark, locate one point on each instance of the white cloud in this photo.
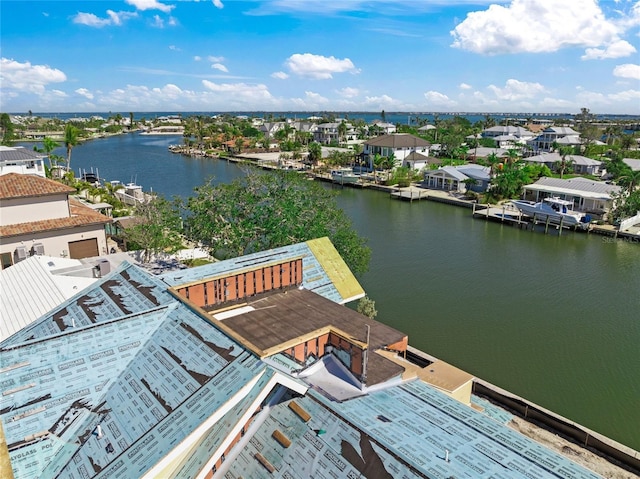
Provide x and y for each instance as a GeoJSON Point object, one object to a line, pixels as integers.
{"type": "Point", "coordinates": [213, 59]}
{"type": "Point", "coordinates": [349, 92]}
{"type": "Point", "coordinates": [627, 70]}
{"type": "Point", "coordinates": [85, 93]}
{"type": "Point", "coordinates": [438, 99]}
{"type": "Point", "coordinates": [197, 58]}
{"type": "Point", "coordinates": [157, 22]}
{"type": "Point", "coordinates": [617, 49]}
{"type": "Point", "coordinates": [150, 5]}
{"type": "Point", "coordinates": [515, 90]}
{"type": "Point", "coordinates": [113, 18]}
{"type": "Point", "coordinates": [465, 86]}
{"type": "Point", "coordinates": [239, 93]}
{"type": "Point", "coordinates": [220, 66]}
{"type": "Point", "coordinates": [535, 26]}
{"type": "Point", "coordinates": [317, 66]}
{"type": "Point", "coordinates": [27, 77]}
{"type": "Point", "coordinates": [218, 4]}
{"type": "Point", "coordinates": [279, 75]}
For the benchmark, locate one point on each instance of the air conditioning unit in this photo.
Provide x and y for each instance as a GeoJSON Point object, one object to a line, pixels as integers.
{"type": "Point", "coordinates": [20, 254]}
{"type": "Point", "coordinates": [37, 249]}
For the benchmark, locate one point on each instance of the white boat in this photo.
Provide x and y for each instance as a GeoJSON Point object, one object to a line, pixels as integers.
{"type": "Point", "coordinates": [557, 210]}
{"type": "Point", "coordinates": [344, 176]}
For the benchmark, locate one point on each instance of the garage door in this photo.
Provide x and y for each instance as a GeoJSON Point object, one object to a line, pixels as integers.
{"type": "Point", "coordinates": [83, 249]}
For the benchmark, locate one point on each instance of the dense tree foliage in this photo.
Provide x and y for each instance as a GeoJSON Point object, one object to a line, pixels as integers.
{"type": "Point", "coordinates": [157, 228]}
{"type": "Point", "coordinates": [264, 211]}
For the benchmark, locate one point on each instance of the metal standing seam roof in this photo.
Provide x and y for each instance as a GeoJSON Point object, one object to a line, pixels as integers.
{"type": "Point", "coordinates": [30, 289]}
{"type": "Point", "coordinates": [575, 186]}
{"type": "Point", "coordinates": [8, 153]}
{"type": "Point", "coordinates": [405, 431]}
{"type": "Point", "coordinates": [398, 140]}
{"type": "Point", "coordinates": [324, 271]}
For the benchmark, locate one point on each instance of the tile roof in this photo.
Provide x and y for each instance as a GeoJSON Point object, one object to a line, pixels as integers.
{"type": "Point", "coordinates": [80, 216]}
{"type": "Point", "coordinates": [16, 185]}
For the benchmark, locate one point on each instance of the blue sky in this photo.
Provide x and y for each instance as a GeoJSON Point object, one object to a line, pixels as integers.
{"type": "Point", "coordinates": [539, 56]}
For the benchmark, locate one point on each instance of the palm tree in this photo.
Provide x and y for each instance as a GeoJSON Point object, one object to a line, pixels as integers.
{"type": "Point", "coordinates": [48, 145]}
{"type": "Point", "coordinates": [564, 164]}
{"type": "Point", "coordinates": [631, 179]}
{"type": "Point", "coordinates": [342, 131]}
{"type": "Point", "coordinates": [315, 152]}
{"type": "Point", "coordinates": [70, 140]}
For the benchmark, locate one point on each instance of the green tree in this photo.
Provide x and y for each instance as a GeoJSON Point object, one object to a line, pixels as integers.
{"type": "Point", "coordinates": [71, 139]}
{"type": "Point", "coordinates": [315, 153]}
{"type": "Point", "coordinates": [8, 135]}
{"type": "Point", "coordinates": [157, 227]}
{"type": "Point", "coordinates": [48, 145]}
{"type": "Point", "coordinates": [367, 307]}
{"type": "Point", "coordinates": [626, 204]}
{"type": "Point", "coordinates": [263, 211]}
{"type": "Point", "coordinates": [565, 163]}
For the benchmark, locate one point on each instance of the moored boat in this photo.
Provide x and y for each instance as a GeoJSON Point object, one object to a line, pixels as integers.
{"type": "Point", "coordinates": [556, 210]}
{"type": "Point", "coordinates": [344, 176]}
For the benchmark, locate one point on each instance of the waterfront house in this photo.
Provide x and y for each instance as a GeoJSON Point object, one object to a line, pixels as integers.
{"type": "Point", "coordinates": [577, 164]}
{"type": "Point", "coordinates": [21, 160]}
{"type": "Point", "coordinates": [458, 179]}
{"type": "Point", "coordinates": [246, 367]}
{"type": "Point", "coordinates": [419, 161]}
{"type": "Point", "coordinates": [400, 145]}
{"type": "Point", "coordinates": [589, 196]}
{"type": "Point", "coordinates": [39, 216]}
{"type": "Point", "coordinates": [545, 141]}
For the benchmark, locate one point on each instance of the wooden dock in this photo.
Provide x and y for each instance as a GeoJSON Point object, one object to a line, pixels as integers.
{"type": "Point", "coordinates": [509, 214]}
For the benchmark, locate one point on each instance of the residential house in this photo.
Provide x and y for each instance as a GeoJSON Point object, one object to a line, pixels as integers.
{"type": "Point", "coordinates": [483, 152]}
{"type": "Point", "coordinates": [21, 160]}
{"type": "Point", "coordinates": [400, 145]}
{"type": "Point", "coordinates": [269, 129]}
{"type": "Point", "coordinates": [418, 161]}
{"type": "Point", "coordinates": [589, 196]}
{"type": "Point", "coordinates": [508, 133]}
{"type": "Point", "coordinates": [545, 141]}
{"type": "Point", "coordinates": [385, 128]}
{"type": "Point", "coordinates": [577, 164]}
{"type": "Point", "coordinates": [327, 133]}
{"type": "Point", "coordinates": [459, 179]}
{"type": "Point", "coordinates": [244, 368]}
{"type": "Point", "coordinates": [39, 216]}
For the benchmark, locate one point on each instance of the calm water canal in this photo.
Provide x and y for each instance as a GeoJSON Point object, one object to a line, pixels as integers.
{"type": "Point", "coordinates": [553, 319]}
